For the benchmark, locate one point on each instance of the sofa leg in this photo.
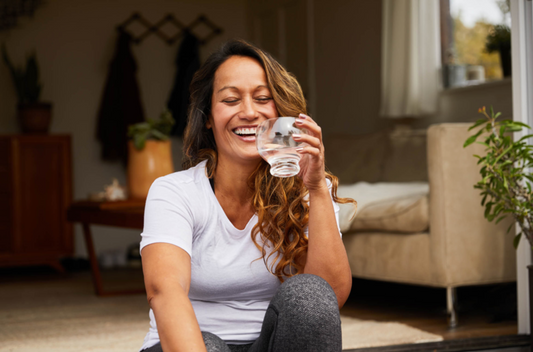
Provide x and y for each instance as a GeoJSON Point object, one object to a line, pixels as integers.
{"type": "Point", "coordinates": [451, 299]}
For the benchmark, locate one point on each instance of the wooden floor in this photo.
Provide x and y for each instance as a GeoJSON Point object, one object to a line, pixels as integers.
{"type": "Point", "coordinates": [483, 310]}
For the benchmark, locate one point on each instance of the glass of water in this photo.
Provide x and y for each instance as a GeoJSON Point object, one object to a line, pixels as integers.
{"type": "Point", "coordinates": [274, 142]}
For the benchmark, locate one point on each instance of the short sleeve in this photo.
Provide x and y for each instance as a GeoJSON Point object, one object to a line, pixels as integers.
{"type": "Point", "coordinates": [167, 216]}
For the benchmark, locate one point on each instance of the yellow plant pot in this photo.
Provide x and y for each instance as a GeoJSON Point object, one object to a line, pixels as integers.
{"type": "Point", "coordinates": [144, 166]}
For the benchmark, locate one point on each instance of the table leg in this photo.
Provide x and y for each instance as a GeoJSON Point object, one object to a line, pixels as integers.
{"type": "Point", "coordinates": [95, 269]}
{"type": "Point", "coordinates": [97, 278]}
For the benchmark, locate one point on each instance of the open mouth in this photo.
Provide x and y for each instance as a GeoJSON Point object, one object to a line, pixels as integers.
{"type": "Point", "coordinates": [245, 131]}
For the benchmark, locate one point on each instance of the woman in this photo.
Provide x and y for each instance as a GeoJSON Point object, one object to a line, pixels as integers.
{"type": "Point", "coordinates": [221, 237]}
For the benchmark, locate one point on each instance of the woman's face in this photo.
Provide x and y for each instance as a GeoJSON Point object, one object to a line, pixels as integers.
{"type": "Point", "coordinates": [241, 101]}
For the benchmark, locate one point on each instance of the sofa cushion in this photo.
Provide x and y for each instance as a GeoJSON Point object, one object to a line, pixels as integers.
{"type": "Point", "coordinates": [391, 207]}
{"type": "Point", "coordinates": [356, 158]}
{"type": "Point", "coordinates": [407, 214]}
{"type": "Point", "coordinates": [406, 159]}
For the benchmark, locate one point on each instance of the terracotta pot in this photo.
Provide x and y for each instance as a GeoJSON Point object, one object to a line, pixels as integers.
{"type": "Point", "coordinates": [144, 166]}
{"type": "Point", "coordinates": [35, 118]}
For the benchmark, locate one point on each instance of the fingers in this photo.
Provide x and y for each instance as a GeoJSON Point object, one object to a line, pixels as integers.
{"type": "Point", "coordinates": [306, 138]}
{"type": "Point", "coordinates": [309, 150]}
{"type": "Point", "coordinates": [306, 122]}
{"type": "Point", "coordinates": [306, 117]}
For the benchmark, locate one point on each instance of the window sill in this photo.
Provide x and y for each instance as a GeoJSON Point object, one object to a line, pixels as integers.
{"type": "Point", "coordinates": [476, 87]}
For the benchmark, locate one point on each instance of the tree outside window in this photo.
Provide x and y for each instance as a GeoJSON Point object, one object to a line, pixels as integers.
{"type": "Point", "coordinates": [473, 34]}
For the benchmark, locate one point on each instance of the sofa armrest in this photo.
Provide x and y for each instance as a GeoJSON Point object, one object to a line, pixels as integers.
{"type": "Point", "coordinates": [465, 247]}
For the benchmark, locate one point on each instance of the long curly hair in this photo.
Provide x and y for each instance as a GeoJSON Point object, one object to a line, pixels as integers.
{"type": "Point", "coordinates": [280, 203]}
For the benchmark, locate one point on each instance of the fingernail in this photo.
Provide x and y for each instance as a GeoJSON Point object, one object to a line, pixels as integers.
{"type": "Point", "coordinates": [296, 136]}
{"type": "Point", "coordinates": [299, 149]}
{"type": "Point", "coordinates": [303, 116]}
{"type": "Point", "coordinates": [299, 122]}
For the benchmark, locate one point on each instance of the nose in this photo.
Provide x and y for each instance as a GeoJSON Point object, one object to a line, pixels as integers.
{"type": "Point", "coordinates": [249, 110]}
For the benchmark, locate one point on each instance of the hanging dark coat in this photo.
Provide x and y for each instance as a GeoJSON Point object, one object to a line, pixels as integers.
{"type": "Point", "coordinates": [187, 63]}
{"type": "Point", "coordinates": [121, 102]}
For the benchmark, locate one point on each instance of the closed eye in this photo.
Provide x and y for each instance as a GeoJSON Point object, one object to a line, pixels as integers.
{"type": "Point", "coordinates": [263, 99]}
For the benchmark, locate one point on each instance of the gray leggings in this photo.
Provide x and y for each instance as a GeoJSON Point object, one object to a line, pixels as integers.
{"type": "Point", "coordinates": [302, 316]}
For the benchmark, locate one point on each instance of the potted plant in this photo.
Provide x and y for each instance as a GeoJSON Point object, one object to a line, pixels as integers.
{"type": "Point", "coordinates": [34, 116]}
{"type": "Point", "coordinates": [506, 185]}
{"type": "Point", "coordinates": [499, 39]}
{"type": "Point", "coordinates": [149, 154]}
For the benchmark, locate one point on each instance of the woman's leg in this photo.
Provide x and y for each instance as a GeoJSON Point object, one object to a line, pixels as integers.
{"type": "Point", "coordinates": [302, 316]}
{"type": "Point", "coordinates": [213, 343]}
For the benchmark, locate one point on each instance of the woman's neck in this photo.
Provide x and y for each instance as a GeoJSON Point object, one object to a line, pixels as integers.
{"type": "Point", "coordinates": [232, 181]}
{"type": "Point", "coordinates": [233, 192]}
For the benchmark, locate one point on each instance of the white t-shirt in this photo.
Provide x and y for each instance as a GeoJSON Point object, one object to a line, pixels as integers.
{"type": "Point", "coordinates": [230, 285]}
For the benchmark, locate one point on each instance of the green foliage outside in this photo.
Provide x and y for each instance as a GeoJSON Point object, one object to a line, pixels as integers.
{"type": "Point", "coordinates": [151, 129]}
{"type": "Point", "coordinates": [498, 38]}
{"type": "Point", "coordinates": [470, 48]}
{"type": "Point", "coordinates": [506, 184]}
{"type": "Point", "coordinates": [25, 79]}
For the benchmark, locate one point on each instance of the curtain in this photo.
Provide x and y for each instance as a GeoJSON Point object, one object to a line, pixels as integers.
{"type": "Point", "coordinates": [410, 59]}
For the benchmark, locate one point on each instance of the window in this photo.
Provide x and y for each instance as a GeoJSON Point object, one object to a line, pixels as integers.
{"type": "Point", "coordinates": [475, 39]}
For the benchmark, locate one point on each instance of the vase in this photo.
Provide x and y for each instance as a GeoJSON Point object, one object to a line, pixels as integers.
{"type": "Point", "coordinates": [144, 166]}
{"type": "Point", "coordinates": [454, 75]}
{"type": "Point", "coordinates": [35, 118]}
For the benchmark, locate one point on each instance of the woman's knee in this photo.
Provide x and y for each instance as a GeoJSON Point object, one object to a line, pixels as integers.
{"type": "Point", "coordinates": [304, 316]}
{"type": "Point", "coordinates": [306, 293]}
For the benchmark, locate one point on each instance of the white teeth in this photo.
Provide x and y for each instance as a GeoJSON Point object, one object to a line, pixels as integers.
{"type": "Point", "coordinates": [243, 131]}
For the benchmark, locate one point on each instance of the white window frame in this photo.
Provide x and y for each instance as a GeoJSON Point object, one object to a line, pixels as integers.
{"type": "Point", "coordinates": [522, 63]}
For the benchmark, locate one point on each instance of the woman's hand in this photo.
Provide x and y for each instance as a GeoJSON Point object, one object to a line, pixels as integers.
{"type": "Point", "coordinates": [312, 162]}
{"type": "Point", "coordinates": [326, 255]}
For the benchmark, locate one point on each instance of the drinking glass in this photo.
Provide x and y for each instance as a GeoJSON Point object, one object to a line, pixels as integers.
{"type": "Point", "coordinates": [274, 142]}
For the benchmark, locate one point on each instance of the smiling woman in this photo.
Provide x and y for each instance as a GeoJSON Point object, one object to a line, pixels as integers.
{"type": "Point", "coordinates": [234, 258]}
{"type": "Point", "coordinates": [240, 88]}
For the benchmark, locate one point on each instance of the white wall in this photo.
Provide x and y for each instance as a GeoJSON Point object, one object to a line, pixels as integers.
{"type": "Point", "coordinates": [74, 41]}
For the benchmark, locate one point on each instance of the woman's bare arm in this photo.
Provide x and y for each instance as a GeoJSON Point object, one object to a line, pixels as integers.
{"type": "Point", "coordinates": [326, 255]}
{"type": "Point", "coordinates": [167, 277]}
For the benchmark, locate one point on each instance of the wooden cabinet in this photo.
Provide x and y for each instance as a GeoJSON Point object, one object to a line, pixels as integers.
{"type": "Point", "coordinates": [35, 192]}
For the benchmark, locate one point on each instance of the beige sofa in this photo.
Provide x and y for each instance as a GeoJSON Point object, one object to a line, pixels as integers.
{"type": "Point", "coordinates": [457, 246]}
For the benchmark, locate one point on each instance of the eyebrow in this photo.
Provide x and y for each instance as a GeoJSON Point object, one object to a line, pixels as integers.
{"type": "Point", "coordinates": [233, 87]}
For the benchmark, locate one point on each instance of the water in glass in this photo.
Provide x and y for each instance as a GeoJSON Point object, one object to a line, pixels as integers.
{"type": "Point", "coordinates": [275, 144]}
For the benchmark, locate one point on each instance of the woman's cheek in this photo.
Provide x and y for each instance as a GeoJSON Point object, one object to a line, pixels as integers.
{"type": "Point", "coordinates": [271, 110]}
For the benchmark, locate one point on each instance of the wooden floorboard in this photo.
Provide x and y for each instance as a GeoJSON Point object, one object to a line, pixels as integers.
{"type": "Point", "coordinates": [472, 344]}
{"type": "Point", "coordinates": [484, 311]}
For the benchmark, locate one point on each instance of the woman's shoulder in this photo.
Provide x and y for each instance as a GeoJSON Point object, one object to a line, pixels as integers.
{"type": "Point", "coordinates": [186, 181]}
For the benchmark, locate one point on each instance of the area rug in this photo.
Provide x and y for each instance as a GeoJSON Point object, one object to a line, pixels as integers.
{"type": "Point", "coordinates": [367, 333]}
{"type": "Point", "coordinates": [62, 316]}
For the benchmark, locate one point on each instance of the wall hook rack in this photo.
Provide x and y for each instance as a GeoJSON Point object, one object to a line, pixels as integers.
{"type": "Point", "coordinates": [150, 28]}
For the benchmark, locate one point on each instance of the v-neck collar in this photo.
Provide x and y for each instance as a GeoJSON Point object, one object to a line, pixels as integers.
{"type": "Point", "coordinates": [229, 225]}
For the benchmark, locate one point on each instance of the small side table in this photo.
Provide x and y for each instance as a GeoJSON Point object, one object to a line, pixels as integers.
{"type": "Point", "coordinates": [125, 214]}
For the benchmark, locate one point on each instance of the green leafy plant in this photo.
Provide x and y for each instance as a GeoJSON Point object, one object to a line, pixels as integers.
{"type": "Point", "coordinates": [25, 79]}
{"type": "Point", "coordinates": [498, 38]}
{"type": "Point", "coordinates": [506, 182]}
{"type": "Point", "coordinates": [151, 129]}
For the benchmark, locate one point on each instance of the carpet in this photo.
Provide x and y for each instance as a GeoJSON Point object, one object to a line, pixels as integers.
{"type": "Point", "coordinates": [358, 333]}
{"type": "Point", "coordinates": [64, 316]}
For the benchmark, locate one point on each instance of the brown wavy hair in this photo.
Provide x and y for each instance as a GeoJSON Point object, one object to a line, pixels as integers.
{"type": "Point", "coordinates": [280, 203]}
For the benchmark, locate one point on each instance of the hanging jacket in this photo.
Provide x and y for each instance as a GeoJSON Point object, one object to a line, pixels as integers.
{"type": "Point", "coordinates": [187, 63]}
{"type": "Point", "coordinates": [121, 102]}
